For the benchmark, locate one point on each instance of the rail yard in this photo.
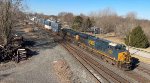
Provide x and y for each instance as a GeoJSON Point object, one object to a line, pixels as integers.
{"type": "Point", "coordinates": [95, 66]}
{"type": "Point", "coordinates": [46, 45]}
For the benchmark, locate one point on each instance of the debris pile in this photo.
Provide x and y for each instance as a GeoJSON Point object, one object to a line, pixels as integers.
{"type": "Point", "coordinates": [14, 50]}
{"type": "Point", "coordinates": [63, 71]}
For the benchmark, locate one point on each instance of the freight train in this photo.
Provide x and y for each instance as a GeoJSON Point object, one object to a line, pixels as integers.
{"type": "Point", "coordinates": [52, 25]}
{"type": "Point", "coordinates": [114, 53]}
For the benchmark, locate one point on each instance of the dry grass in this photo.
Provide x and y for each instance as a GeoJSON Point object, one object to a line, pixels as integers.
{"type": "Point", "coordinates": [115, 39]}
{"type": "Point", "coordinates": [110, 36]}
{"type": "Point", "coordinates": [63, 71]}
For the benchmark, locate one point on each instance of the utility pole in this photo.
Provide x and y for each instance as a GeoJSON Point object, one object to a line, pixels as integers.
{"type": "Point", "coordinates": [129, 42]}
{"type": "Point", "coordinates": [129, 29]}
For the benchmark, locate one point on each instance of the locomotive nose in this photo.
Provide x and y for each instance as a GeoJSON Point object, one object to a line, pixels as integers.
{"type": "Point", "coordinates": [124, 56]}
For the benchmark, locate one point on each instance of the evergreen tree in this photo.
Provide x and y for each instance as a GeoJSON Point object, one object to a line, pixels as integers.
{"type": "Point", "coordinates": [87, 25]}
{"type": "Point", "coordinates": [137, 38]}
{"type": "Point", "coordinates": [77, 23]}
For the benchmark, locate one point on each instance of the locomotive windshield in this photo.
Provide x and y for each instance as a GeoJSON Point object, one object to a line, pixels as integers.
{"type": "Point", "coordinates": [121, 47]}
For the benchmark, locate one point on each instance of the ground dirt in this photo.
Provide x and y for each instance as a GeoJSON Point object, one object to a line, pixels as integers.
{"type": "Point", "coordinates": [49, 62]}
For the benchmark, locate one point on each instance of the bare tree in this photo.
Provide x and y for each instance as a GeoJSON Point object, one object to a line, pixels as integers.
{"type": "Point", "coordinates": [8, 14]}
{"type": "Point", "coordinates": [131, 15]}
{"type": "Point", "coordinates": [131, 22]}
{"type": "Point", "coordinates": [105, 19]}
{"type": "Point", "coordinates": [66, 18]}
{"type": "Point", "coordinates": [109, 21]}
{"type": "Point", "coordinates": [107, 12]}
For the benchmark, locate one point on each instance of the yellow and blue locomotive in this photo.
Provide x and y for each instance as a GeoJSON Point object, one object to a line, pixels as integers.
{"type": "Point", "coordinates": [109, 51]}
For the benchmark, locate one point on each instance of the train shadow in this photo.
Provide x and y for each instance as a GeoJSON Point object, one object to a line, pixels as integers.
{"type": "Point", "coordinates": [3, 76]}
{"type": "Point", "coordinates": [135, 63]}
{"type": "Point", "coordinates": [29, 43]}
{"type": "Point", "coordinates": [32, 46]}
{"type": "Point", "coordinates": [41, 43]}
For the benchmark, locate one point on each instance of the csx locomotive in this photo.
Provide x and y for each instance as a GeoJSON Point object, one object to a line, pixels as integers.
{"type": "Point", "coordinates": [114, 53]}
{"type": "Point", "coordinates": [111, 52]}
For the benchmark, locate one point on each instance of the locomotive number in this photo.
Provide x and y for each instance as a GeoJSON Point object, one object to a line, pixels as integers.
{"type": "Point", "coordinates": [91, 42]}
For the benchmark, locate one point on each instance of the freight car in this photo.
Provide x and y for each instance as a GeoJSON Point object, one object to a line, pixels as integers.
{"type": "Point", "coordinates": [116, 54]}
{"type": "Point", "coordinates": [52, 25]}
{"type": "Point", "coordinates": [47, 24]}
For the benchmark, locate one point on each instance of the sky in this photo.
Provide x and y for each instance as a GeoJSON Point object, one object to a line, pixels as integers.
{"type": "Point", "coordinates": [121, 7]}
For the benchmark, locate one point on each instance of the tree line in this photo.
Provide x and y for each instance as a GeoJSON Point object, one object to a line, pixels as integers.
{"type": "Point", "coordinates": [109, 21]}
{"type": "Point", "coordinates": [106, 19]}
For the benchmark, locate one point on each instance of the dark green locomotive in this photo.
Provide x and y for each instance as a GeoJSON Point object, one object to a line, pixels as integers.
{"type": "Point", "coordinates": [109, 51]}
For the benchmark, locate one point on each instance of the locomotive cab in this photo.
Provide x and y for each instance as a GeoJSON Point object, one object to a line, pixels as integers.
{"type": "Point", "coordinates": [123, 55]}
{"type": "Point", "coordinates": [124, 58]}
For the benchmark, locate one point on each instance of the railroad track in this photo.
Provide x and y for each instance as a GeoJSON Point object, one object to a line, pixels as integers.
{"type": "Point", "coordinates": [144, 70]}
{"type": "Point", "coordinates": [101, 73]}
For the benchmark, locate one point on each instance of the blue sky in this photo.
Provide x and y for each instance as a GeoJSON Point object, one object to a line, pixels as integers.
{"type": "Point", "coordinates": [50, 7]}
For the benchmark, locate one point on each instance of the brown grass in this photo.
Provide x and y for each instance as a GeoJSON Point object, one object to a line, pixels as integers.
{"type": "Point", "coordinates": [115, 39]}
{"type": "Point", "coordinates": [110, 36]}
